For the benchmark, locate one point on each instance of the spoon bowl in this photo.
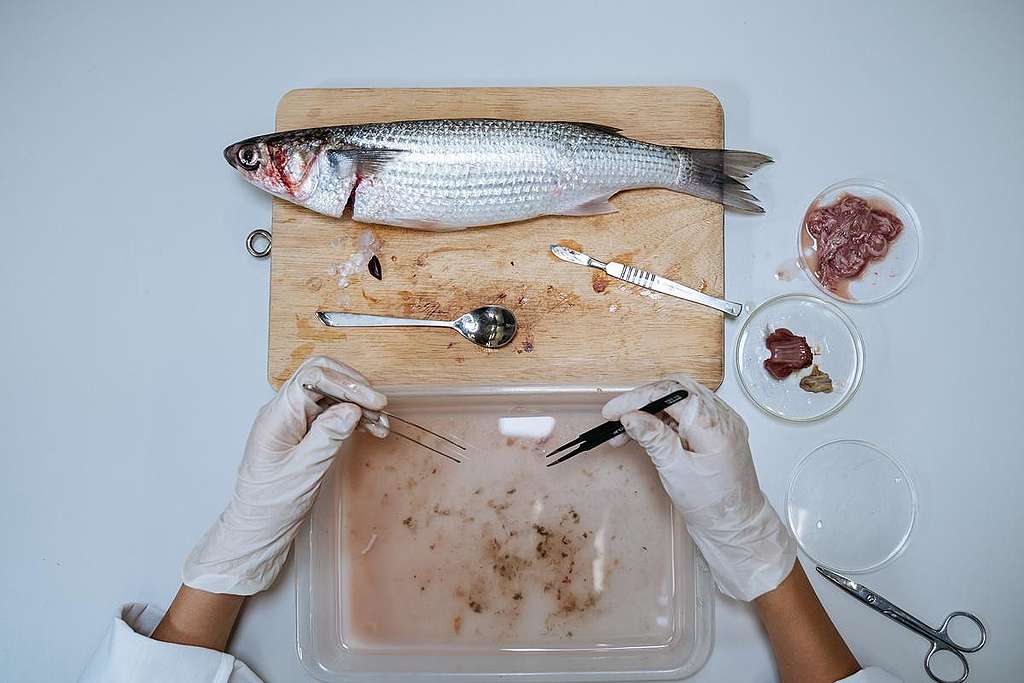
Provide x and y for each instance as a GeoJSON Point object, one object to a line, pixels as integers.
{"type": "Point", "coordinates": [488, 326]}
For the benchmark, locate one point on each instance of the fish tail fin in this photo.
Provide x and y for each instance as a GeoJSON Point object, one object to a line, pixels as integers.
{"type": "Point", "coordinates": [716, 174]}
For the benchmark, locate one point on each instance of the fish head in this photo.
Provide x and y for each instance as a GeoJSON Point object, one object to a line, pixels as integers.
{"type": "Point", "coordinates": [296, 166]}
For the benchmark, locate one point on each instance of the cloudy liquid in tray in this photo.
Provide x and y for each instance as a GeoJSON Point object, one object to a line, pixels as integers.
{"type": "Point", "coordinates": [499, 551]}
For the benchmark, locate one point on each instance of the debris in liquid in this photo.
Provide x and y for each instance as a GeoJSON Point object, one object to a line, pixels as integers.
{"type": "Point", "coordinates": [369, 545]}
{"type": "Point", "coordinates": [512, 555]}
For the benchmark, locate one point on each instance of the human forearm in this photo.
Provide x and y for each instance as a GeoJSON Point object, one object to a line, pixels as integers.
{"type": "Point", "coordinates": [199, 618]}
{"type": "Point", "coordinates": [807, 646]}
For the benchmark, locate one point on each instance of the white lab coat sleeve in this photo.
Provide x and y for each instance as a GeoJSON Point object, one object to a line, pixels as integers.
{"type": "Point", "coordinates": [127, 654]}
{"type": "Point", "coordinates": [871, 674]}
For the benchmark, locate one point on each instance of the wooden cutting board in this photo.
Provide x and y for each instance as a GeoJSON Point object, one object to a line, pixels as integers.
{"type": "Point", "coordinates": [575, 325]}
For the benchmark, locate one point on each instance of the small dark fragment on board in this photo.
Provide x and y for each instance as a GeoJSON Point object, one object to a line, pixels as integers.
{"type": "Point", "coordinates": [374, 267]}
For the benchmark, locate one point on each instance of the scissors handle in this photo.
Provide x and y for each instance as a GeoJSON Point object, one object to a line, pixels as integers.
{"type": "Point", "coordinates": [939, 646]}
{"type": "Point", "coordinates": [940, 639]}
{"type": "Point", "coordinates": [982, 633]}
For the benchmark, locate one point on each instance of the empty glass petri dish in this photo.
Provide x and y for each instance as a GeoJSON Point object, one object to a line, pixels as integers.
{"type": "Point", "coordinates": [834, 340]}
{"type": "Point", "coordinates": [882, 278]}
{"type": "Point", "coordinates": [851, 506]}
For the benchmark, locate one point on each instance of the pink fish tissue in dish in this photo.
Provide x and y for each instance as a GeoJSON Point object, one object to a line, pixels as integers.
{"type": "Point", "coordinates": [847, 235]}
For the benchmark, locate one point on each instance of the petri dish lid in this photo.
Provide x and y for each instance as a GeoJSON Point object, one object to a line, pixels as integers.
{"type": "Point", "coordinates": [851, 506]}
{"type": "Point", "coordinates": [834, 340]}
{"type": "Point", "coordinates": [883, 278]}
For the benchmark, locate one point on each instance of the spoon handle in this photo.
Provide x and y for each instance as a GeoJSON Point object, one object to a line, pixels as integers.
{"type": "Point", "coordinates": [342, 319]}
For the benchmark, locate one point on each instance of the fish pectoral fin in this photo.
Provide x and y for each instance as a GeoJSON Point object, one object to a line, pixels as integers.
{"type": "Point", "coordinates": [594, 207]}
{"type": "Point", "coordinates": [367, 161]}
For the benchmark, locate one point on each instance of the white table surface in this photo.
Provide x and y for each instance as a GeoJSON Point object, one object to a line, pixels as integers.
{"type": "Point", "coordinates": [135, 326]}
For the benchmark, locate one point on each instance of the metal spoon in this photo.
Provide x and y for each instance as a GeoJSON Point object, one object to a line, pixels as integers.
{"type": "Point", "coordinates": [489, 326]}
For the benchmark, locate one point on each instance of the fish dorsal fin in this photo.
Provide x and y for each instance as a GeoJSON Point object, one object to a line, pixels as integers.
{"type": "Point", "coordinates": [367, 161]}
{"type": "Point", "coordinates": [599, 127]}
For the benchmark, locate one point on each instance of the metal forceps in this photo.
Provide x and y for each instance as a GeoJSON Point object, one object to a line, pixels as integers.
{"type": "Point", "coordinates": [611, 429]}
{"type": "Point", "coordinates": [940, 639]}
{"type": "Point", "coordinates": [382, 418]}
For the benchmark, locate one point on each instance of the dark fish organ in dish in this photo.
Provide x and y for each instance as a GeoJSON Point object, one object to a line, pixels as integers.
{"type": "Point", "coordinates": [789, 353]}
{"type": "Point", "coordinates": [848, 234]}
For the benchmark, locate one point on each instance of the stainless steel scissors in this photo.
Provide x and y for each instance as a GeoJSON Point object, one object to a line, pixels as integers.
{"type": "Point", "coordinates": [940, 639]}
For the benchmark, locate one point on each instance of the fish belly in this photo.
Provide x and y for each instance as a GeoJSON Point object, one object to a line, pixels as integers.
{"type": "Point", "coordinates": [453, 196]}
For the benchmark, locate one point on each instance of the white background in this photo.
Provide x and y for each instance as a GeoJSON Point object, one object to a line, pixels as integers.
{"type": "Point", "coordinates": [134, 326]}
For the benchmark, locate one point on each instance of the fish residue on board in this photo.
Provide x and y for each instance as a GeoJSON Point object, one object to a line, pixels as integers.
{"type": "Point", "coordinates": [367, 247]}
{"type": "Point", "coordinates": [498, 549]}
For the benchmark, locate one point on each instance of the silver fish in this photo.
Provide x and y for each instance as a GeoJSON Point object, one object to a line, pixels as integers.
{"type": "Point", "coordinates": [450, 174]}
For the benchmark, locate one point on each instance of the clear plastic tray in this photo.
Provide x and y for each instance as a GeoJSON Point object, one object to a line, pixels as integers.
{"type": "Point", "coordinates": [416, 568]}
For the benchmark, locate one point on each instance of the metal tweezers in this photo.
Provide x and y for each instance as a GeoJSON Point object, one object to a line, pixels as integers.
{"type": "Point", "coordinates": [382, 418]}
{"type": "Point", "coordinates": [611, 429]}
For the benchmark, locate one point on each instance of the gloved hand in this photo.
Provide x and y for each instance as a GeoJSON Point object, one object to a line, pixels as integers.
{"type": "Point", "coordinates": [704, 462]}
{"type": "Point", "coordinates": [290, 448]}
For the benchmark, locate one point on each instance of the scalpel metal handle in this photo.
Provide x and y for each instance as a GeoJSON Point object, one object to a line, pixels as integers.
{"type": "Point", "coordinates": [642, 278]}
{"type": "Point", "coordinates": [342, 319]}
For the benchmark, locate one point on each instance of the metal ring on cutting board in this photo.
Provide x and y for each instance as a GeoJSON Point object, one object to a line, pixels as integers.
{"type": "Point", "coordinates": [250, 243]}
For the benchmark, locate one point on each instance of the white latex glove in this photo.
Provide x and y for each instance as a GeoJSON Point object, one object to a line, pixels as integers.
{"type": "Point", "coordinates": [290, 448]}
{"type": "Point", "coordinates": [704, 463]}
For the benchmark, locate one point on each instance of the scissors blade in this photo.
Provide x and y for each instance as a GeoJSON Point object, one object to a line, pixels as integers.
{"type": "Point", "coordinates": [847, 584]}
{"type": "Point", "coordinates": [857, 590]}
{"type": "Point", "coordinates": [879, 603]}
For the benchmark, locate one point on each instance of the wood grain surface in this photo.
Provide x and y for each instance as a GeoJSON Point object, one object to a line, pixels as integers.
{"type": "Point", "coordinates": [576, 326]}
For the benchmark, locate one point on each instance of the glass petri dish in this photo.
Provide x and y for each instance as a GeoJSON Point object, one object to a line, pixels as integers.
{"type": "Point", "coordinates": [834, 340]}
{"type": "Point", "coordinates": [851, 506]}
{"type": "Point", "coordinates": [884, 278]}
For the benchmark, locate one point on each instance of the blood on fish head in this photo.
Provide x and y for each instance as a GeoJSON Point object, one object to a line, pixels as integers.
{"type": "Point", "coordinates": [297, 167]}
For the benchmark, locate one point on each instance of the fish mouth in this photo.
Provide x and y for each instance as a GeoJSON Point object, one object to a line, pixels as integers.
{"type": "Point", "coordinates": [231, 155]}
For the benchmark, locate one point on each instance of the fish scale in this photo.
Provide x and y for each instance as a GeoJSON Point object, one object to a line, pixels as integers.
{"type": "Point", "coordinates": [456, 173]}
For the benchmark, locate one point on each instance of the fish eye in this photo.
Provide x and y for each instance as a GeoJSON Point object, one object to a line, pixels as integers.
{"type": "Point", "coordinates": [248, 157]}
